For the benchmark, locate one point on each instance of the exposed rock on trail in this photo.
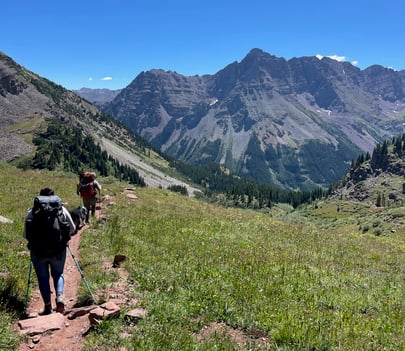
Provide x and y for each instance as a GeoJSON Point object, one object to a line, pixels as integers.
{"type": "Point", "coordinates": [66, 331]}
{"type": "Point", "coordinates": [65, 334]}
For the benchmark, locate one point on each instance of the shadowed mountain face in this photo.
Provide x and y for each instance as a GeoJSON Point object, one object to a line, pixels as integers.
{"type": "Point", "coordinates": [297, 123]}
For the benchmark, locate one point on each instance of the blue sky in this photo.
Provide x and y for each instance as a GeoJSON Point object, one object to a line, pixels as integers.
{"type": "Point", "coordinates": [106, 44]}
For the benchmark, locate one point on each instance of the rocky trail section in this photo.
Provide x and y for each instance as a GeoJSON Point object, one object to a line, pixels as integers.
{"type": "Point", "coordinates": [55, 331]}
{"type": "Point", "coordinates": [67, 331]}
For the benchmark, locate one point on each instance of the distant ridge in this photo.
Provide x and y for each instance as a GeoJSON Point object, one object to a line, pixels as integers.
{"type": "Point", "coordinates": [97, 94]}
{"type": "Point", "coordinates": [98, 97]}
{"type": "Point", "coordinates": [296, 123]}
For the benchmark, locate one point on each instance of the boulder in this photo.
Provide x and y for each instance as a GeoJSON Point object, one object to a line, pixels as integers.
{"type": "Point", "coordinates": [41, 324]}
{"type": "Point", "coordinates": [136, 314]}
{"type": "Point", "coordinates": [107, 310]}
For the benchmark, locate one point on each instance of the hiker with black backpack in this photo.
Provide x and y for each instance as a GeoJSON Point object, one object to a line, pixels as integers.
{"type": "Point", "coordinates": [87, 188]}
{"type": "Point", "coordinates": [48, 227]}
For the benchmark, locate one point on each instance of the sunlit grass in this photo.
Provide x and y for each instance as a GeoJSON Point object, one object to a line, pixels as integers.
{"type": "Point", "coordinates": [191, 264]}
{"type": "Point", "coordinates": [306, 288]}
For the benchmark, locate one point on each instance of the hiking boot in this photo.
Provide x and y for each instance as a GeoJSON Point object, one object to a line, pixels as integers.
{"type": "Point", "coordinates": [47, 310]}
{"type": "Point", "coordinates": [60, 304]}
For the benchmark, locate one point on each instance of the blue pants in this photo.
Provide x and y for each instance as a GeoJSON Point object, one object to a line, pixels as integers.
{"type": "Point", "coordinates": [54, 264]}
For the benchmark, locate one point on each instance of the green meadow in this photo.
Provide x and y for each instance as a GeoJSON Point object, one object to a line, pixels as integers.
{"type": "Point", "coordinates": [278, 282]}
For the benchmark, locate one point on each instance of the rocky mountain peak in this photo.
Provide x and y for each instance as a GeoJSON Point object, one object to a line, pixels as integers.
{"type": "Point", "coordinates": [296, 123]}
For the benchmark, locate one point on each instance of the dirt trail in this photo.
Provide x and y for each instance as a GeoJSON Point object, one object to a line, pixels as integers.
{"type": "Point", "coordinates": [70, 337]}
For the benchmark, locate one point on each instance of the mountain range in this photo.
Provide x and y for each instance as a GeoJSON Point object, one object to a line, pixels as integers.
{"type": "Point", "coordinates": [296, 123]}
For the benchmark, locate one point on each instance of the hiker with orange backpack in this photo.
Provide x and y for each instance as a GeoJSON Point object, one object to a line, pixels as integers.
{"type": "Point", "coordinates": [87, 188]}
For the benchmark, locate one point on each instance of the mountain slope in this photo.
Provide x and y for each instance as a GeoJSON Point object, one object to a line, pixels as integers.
{"type": "Point", "coordinates": [28, 102]}
{"type": "Point", "coordinates": [295, 123]}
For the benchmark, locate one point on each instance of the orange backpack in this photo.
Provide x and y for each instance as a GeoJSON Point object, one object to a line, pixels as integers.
{"type": "Point", "coordinates": [86, 186]}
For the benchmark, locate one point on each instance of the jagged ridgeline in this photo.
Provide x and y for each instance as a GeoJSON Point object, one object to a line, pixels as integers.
{"type": "Point", "coordinates": [67, 148]}
{"type": "Point", "coordinates": [66, 130]}
{"type": "Point", "coordinates": [295, 123]}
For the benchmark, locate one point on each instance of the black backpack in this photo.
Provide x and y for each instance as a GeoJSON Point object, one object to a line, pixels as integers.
{"type": "Point", "coordinates": [49, 231]}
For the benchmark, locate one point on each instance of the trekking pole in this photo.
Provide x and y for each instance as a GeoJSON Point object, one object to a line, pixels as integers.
{"type": "Point", "coordinates": [81, 273]}
{"type": "Point", "coordinates": [28, 287]}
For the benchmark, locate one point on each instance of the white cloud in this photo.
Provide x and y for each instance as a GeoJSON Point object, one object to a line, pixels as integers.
{"type": "Point", "coordinates": [90, 78]}
{"type": "Point", "coordinates": [338, 58]}
{"type": "Point", "coordinates": [106, 78]}
{"type": "Point", "coordinates": [333, 57]}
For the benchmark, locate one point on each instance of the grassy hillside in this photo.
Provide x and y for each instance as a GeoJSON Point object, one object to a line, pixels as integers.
{"type": "Point", "coordinates": [192, 265]}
